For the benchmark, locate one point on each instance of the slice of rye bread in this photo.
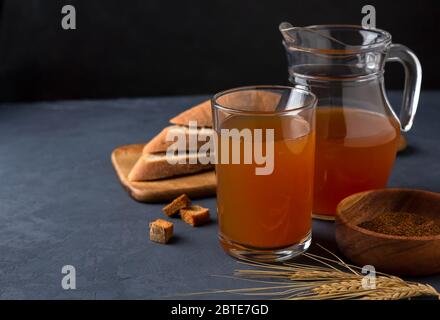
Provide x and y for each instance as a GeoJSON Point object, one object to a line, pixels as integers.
{"type": "Point", "coordinates": [159, 143]}
{"type": "Point", "coordinates": [200, 113]}
{"type": "Point", "coordinates": [158, 166]}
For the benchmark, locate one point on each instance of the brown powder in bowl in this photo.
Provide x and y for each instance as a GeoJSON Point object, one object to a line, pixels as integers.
{"type": "Point", "coordinates": [402, 224]}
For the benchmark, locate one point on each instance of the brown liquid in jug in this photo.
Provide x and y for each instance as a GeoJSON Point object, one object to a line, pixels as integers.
{"type": "Point", "coordinates": [355, 151]}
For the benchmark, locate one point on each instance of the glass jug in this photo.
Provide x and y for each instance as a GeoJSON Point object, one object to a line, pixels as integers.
{"type": "Point", "coordinates": [357, 131]}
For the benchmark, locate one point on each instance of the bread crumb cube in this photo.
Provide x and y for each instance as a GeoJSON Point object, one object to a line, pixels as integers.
{"type": "Point", "coordinates": [195, 215]}
{"type": "Point", "coordinates": [177, 204]}
{"type": "Point", "coordinates": [161, 231]}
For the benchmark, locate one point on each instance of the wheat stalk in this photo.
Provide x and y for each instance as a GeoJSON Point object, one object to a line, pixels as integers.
{"type": "Point", "coordinates": [406, 291]}
{"type": "Point", "coordinates": [332, 279]}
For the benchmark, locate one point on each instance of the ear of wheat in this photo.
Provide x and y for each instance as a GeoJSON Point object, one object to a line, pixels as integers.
{"type": "Point", "coordinates": [331, 278]}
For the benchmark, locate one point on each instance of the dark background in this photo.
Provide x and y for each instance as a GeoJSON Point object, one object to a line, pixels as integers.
{"type": "Point", "coordinates": [156, 47]}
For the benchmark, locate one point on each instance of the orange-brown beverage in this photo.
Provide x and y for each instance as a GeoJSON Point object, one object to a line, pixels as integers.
{"type": "Point", "coordinates": [355, 151]}
{"type": "Point", "coordinates": [267, 212]}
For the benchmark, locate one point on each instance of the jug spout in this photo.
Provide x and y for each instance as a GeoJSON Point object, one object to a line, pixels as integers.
{"type": "Point", "coordinates": [285, 28]}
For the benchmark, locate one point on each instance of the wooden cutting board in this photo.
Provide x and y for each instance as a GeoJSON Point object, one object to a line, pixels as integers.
{"type": "Point", "coordinates": [195, 186]}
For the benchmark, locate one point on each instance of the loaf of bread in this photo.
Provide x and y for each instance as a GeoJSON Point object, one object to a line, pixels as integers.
{"type": "Point", "coordinates": [154, 162]}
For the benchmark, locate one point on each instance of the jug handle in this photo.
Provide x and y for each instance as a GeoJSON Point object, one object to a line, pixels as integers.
{"type": "Point", "coordinates": [413, 81]}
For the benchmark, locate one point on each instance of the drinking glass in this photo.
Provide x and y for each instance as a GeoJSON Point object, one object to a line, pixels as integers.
{"type": "Point", "coordinates": [265, 146]}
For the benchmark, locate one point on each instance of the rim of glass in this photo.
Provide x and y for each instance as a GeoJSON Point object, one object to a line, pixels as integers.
{"type": "Point", "coordinates": [355, 48]}
{"type": "Point", "coordinates": [217, 105]}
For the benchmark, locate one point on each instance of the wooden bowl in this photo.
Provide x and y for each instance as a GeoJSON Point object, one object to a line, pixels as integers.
{"type": "Point", "coordinates": [389, 253]}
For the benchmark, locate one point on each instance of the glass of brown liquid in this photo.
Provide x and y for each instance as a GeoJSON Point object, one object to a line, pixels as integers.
{"type": "Point", "coordinates": [265, 161]}
{"type": "Point", "coordinates": [357, 131]}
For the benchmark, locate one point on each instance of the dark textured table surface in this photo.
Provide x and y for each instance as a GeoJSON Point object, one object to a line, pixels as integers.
{"type": "Point", "coordinates": [61, 203]}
